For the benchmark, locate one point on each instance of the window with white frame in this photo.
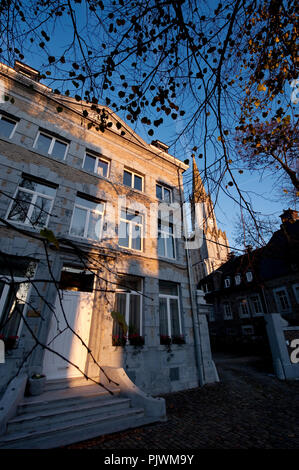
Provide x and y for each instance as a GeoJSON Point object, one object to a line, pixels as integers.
{"type": "Point", "coordinates": [87, 219]}
{"type": "Point", "coordinates": [247, 329]}
{"type": "Point", "coordinates": [130, 233]}
{"type": "Point", "coordinates": [282, 299]}
{"type": "Point", "coordinates": [249, 276]}
{"type": "Point", "coordinates": [14, 293]}
{"type": "Point", "coordinates": [228, 314]}
{"type": "Point", "coordinates": [128, 304]}
{"type": "Point", "coordinates": [238, 279]}
{"type": "Point", "coordinates": [169, 310]}
{"type": "Point", "coordinates": [32, 203]}
{"type": "Point", "coordinates": [256, 305]}
{"type": "Point", "coordinates": [163, 193]}
{"type": "Point", "coordinates": [166, 237]}
{"type": "Point", "coordinates": [296, 292]}
{"type": "Point", "coordinates": [54, 146]}
{"type": "Point", "coordinates": [227, 282]}
{"type": "Point", "coordinates": [133, 180]}
{"type": "Point", "coordinates": [13, 297]}
{"type": "Point", "coordinates": [96, 164]}
{"type": "Point", "coordinates": [243, 308]}
{"type": "Point", "coordinates": [7, 126]}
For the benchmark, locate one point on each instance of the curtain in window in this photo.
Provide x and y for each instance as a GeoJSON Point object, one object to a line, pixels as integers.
{"type": "Point", "coordinates": [163, 317]}
{"type": "Point", "coordinates": [120, 306]}
{"type": "Point", "coordinates": [134, 318]}
{"type": "Point", "coordinates": [174, 316]}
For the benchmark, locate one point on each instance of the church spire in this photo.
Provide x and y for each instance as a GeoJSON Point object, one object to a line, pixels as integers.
{"type": "Point", "coordinates": [198, 190]}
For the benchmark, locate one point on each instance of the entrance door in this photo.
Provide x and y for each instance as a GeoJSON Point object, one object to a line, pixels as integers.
{"type": "Point", "coordinates": [77, 308]}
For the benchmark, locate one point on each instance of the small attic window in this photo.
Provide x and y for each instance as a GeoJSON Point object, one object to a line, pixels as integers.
{"type": "Point", "coordinates": [227, 282]}
{"type": "Point", "coordinates": [249, 276]}
{"type": "Point", "coordinates": [27, 71]}
{"type": "Point", "coordinates": [237, 279]}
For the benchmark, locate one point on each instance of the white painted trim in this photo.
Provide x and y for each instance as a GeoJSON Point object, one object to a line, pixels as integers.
{"type": "Point", "coordinates": [14, 128]}
{"type": "Point", "coordinates": [54, 139]}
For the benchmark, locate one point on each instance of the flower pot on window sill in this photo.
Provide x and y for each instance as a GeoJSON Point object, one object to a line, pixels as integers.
{"type": "Point", "coordinates": [166, 340]}
{"type": "Point", "coordinates": [136, 340]}
{"type": "Point", "coordinates": [36, 384]}
{"type": "Point", "coordinates": [119, 340]}
{"type": "Point", "coordinates": [178, 339]}
{"type": "Point", "coordinates": [10, 342]}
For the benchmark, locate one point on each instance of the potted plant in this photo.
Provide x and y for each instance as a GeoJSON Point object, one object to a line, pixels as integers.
{"type": "Point", "coordinates": [36, 384]}
{"type": "Point", "coordinates": [136, 340]}
{"type": "Point", "coordinates": [178, 339]}
{"type": "Point", "coordinates": [119, 340]}
{"type": "Point", "coordinates": [166, 340]}
{"type": "Point", "coordinates": [10, 342]}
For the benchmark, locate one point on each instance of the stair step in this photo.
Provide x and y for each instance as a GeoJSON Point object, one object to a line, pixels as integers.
{"type": "Point", "coordinates": [61, 384]}
{"type": "Point", "coordinates": [62, 398]}
{"type": "Point", "coordinates": [81, 427]}
{"type": "Point", "coordinates": [50, 417]}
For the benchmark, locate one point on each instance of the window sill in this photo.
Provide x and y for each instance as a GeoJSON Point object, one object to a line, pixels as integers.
{"type": "Point", "coordinates": [91, 173]}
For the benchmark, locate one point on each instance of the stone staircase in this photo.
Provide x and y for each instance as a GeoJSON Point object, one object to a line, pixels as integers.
{"type": "Point", "coordinates": [64, 415]}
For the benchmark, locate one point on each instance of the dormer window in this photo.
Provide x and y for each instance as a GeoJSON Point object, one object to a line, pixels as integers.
{"type": "Point", "coordinates": [237, 279]}
{"type": "Point", "coordinates": [249, 276]}
{"type": "Point", "coordinates": [227, 282]}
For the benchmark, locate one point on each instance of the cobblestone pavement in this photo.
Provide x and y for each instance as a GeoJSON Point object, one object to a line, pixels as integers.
{"type": "Point", "coordinates": [249, 408]}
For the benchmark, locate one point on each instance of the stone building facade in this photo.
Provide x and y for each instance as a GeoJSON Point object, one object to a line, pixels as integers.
{"type": "Point", "coordinates": [94, 191]}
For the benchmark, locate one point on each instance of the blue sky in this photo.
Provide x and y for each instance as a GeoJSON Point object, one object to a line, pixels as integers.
{"type": "Point", "coordinates": [265, 197]}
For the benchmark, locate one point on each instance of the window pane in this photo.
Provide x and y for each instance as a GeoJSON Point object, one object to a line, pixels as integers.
{"type": "Point", "coordinates": [102, 168]}
{"type": "Point", "coordinates": [159, 191]}
{"type": "Point", "coordinates": [43, 143]}
{"type": "Point", "coordinates": [170, 247]}
{"type": "Point", "coordinates": [78, 222]}
{"type": "Point", "coordinates": [41, 211]}
{"type": "Point", "coordinates": [167, 195]}
{"type": "Point", "coordinates": [93, 205]}
{"type": "Point", "coordinates": [89, 163]}
{"type": "Point", "coordinates": [94, 226]}
{"type": "Point", "coordinates": [138, 182]}
{"type": "Point", "coordinates": [163, 317]}
{"type": "Point", "coordinates": [28, 184]}
{"type": "Point", "coordinates": [174, 316]}
{"type": "Point", "coordinates": [13, 309]}
{"type": "Point", "coordinates": [134, 314]}
{"type": "Point", "coordinates": [127, 179]}
{"type": "Point", "coordinates": [161, 245]}
{"type": "Point", "coordinates": [59, 149]}
{"type": "Point", "coordinates": [123, 236]}
{"type": "Point", "coordinates": [168, 288]}
{"type": "Point", "coordinates": [6, 127]}
{"type": "Point", "coordinates": [136, 237]}
{"type": "Point", "coordinates": [44, 189]}
{"type": "Point", "coordinates": [20, 206]}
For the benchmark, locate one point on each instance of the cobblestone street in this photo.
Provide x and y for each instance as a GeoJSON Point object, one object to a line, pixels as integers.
{"type": "Point", "coordinates": [249, 408]}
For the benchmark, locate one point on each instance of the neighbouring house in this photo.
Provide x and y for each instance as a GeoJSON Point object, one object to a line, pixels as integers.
{"type": "Point", "coordinates": [98, 194]}
{"type": "Point", "coordinates": [244, 289]}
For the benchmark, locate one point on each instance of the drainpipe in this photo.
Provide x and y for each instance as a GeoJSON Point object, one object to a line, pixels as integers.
{"type": "Point", "coordinates": [197, 342]}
